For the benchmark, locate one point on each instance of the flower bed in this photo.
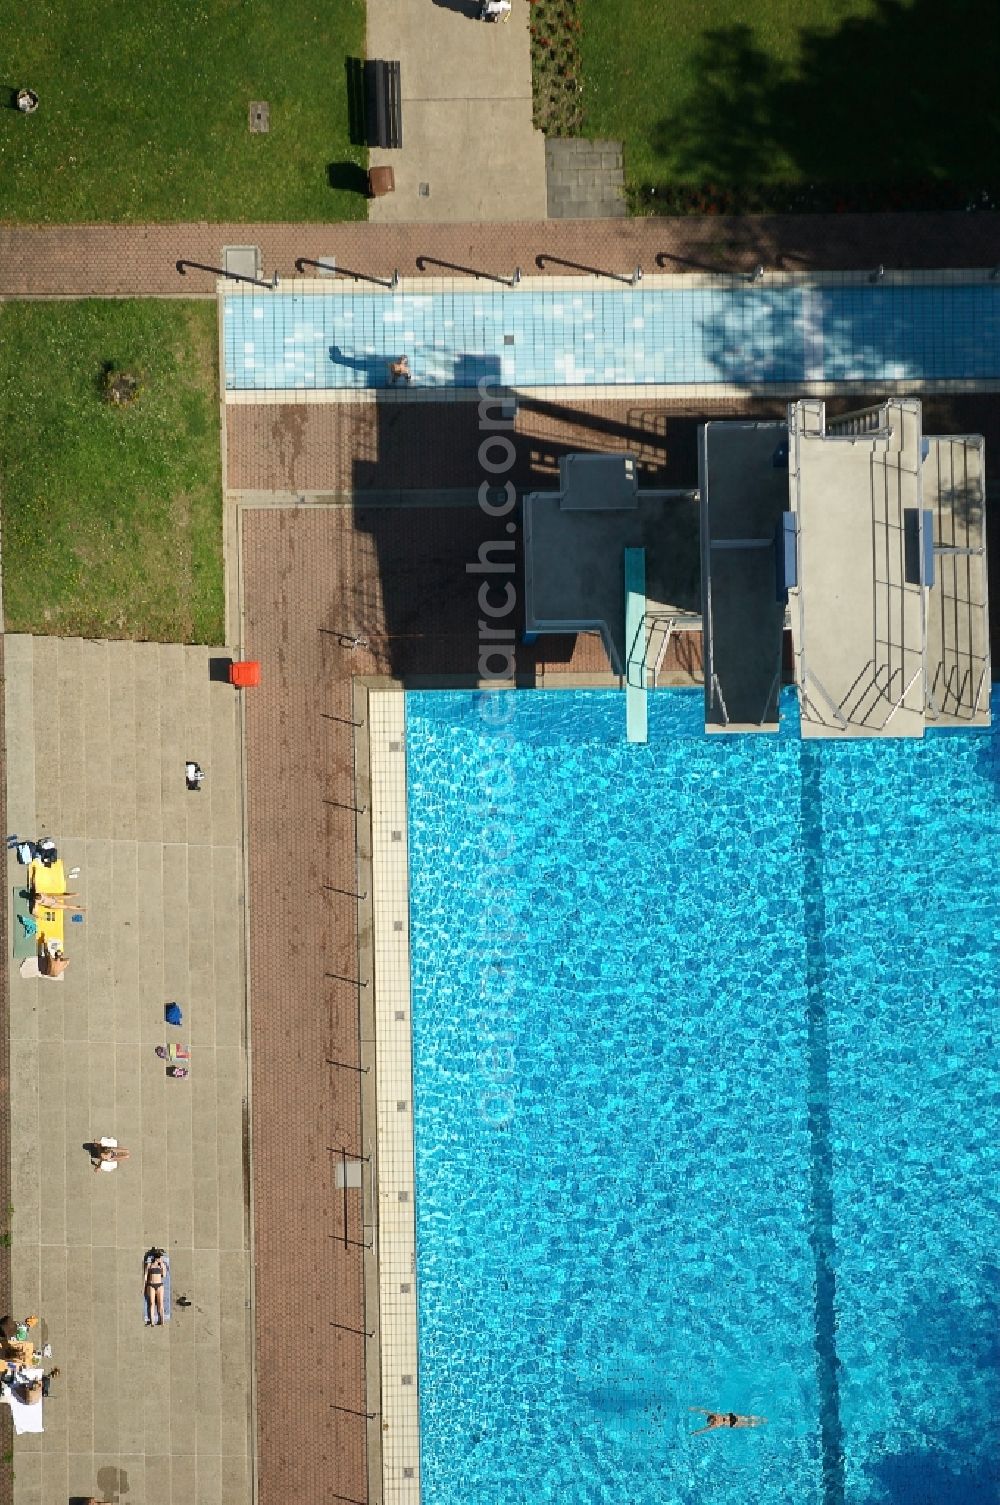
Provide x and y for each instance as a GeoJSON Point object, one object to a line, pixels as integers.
{"type": "Point", "coordinates": [555, 65]}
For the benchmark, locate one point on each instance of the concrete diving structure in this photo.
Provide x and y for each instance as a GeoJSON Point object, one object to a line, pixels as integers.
{"type": "Point", "coordinates": [846, 555]}
{"type": "Point", "coordinates": [855, 549]}
{"type": "Point", "coordinates": [576, 540]}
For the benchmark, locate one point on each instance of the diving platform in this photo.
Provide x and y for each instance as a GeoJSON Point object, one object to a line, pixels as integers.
{"type": "Point", "coordinates": [743, 482]}
{"type": "Point", "coordinates": [889, 615]}
{"type": "Point", "coordinates": [636, 709]}
{"type": "Point", "coordinates": [848, 554]}
{"type": "Point", "coordinates": [575, 539]}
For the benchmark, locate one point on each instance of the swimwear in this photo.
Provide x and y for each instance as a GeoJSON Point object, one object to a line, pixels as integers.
{"type": "Point", "coordinates": [154, 1276]}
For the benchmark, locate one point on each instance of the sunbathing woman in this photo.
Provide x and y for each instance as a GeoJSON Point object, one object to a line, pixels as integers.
{"type": "Point", "coordinates": [106, 1157]}
{"type": "Point", "coordinates": [152, 1289]}
{"type": "Point", "coordinates": [716, 1419]}
{"type": "Point", "coordinates": [55, 901]}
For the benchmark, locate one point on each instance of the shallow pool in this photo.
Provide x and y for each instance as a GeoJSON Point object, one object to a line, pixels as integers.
{"type": "Point", "coordinates": [707, 1107]}
{"type": "Point", "coordinates": [750, 336]}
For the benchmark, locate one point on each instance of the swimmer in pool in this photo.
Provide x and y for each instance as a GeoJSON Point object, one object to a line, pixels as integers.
{"type": "Point", "coordinates": [716, 1419]}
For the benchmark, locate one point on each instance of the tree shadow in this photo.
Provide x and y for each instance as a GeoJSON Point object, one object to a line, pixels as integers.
{"type": "Point", "coordinates": [887, 99]}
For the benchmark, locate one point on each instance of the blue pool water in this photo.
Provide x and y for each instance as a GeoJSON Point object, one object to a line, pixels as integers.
{"type": "Point", "coordinates": [751, 336]}
{"type": "Point", "coordinates": [707, 1108]}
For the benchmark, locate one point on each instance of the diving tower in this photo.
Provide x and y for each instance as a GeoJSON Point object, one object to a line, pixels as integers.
{"type": "Point", "coordinates": [889, 616]}
{"type": "Point", "coordinates": [576, 541]}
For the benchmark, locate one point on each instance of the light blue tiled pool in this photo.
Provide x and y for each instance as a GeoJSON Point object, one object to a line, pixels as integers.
{"type": "Point", "coordinates": [745, 335]}
{"type": "Point", "coordinates": [707, 1108]}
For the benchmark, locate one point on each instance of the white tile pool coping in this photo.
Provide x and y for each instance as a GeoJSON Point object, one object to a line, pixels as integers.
{"type": "Point", "coordinates": [395, 1181]}
{"type": "Point", "coordinates": [606, 392]}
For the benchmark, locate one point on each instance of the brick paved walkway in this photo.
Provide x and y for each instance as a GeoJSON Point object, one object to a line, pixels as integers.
{"type": "Point", "coordinates": [115, 261]}
{"type": "Point", "coordinates": [395, 577]}
{"type": "Point", "coordinates": [398, 447]}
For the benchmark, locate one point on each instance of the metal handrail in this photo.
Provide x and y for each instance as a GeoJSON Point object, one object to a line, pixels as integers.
{"type": "Point", "coordinates": [835, 710]}
{"type": "Point", "coordinates": [717, 691]}
{"type": "Point", "coordinates": [912, 681]}
{"type": "Point", "coordinates": [979, 689]}
{"type": "Point", "coordinates": [651, 620]}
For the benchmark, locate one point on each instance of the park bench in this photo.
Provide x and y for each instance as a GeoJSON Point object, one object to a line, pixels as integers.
{"type": "Point", "coordinates": [383, 103]}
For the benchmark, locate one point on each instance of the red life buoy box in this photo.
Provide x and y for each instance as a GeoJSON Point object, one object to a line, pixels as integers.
{"type": "Point", "coordinates": [244, 673]}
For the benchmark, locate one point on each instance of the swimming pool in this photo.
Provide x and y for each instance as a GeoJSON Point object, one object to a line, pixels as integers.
{"type": "Point", "coordinates": [707, 1105]}
{"type": "Point", "coordinates": [750, 336]}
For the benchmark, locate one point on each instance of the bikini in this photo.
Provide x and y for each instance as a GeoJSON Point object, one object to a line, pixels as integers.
{"type": "Point", "coordinates": [155, 1270]}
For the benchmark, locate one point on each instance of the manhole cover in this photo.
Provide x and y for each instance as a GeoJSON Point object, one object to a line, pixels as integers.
{"type": "Point", "coordinates": [260, 116]}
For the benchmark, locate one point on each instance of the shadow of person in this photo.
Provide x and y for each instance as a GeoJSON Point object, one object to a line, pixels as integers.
{"type": "Point", "coordinates": [374, 368]}
{"type": "Point", "coordinates": [112, 1481]}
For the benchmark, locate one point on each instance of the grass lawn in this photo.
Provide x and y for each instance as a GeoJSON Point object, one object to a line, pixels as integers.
{"type": "Point", "coordinates": [728, 92]}
{"type": "Point", "coordinates": [112, 517]}
{"type": "Point", "coordinates": [143, 110]}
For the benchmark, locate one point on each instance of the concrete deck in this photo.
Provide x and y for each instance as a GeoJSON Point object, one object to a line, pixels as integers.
{"type": "Point", "coordinates": [97, 736]}
{"type": "Point", "coordinates": [468, 138]}
{"type": "Point", "coordinates": [857, 623]}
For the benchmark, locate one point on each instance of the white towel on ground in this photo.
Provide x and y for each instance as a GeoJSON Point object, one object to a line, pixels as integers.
{"type": "Point", "coordinates": [26, 1418]}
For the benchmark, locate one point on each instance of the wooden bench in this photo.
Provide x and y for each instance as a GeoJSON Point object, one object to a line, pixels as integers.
{"type": "Point", "coordinates": [383, 103]}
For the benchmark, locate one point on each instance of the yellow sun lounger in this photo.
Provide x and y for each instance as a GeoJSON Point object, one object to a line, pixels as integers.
{"type": "Point", "coordinates": [41, 881]}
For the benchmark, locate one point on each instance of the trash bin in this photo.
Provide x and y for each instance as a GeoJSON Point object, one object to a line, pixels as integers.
{"type": "Point", "coordinates": [381, 180]}
{"type": "Point", "coordinates": [244, 673]}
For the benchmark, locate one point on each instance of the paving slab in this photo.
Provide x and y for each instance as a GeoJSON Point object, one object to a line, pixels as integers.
{"type": "Point", "coordinates": [97, 734]}
{"type": "Point", "coordinates": [585, 179]}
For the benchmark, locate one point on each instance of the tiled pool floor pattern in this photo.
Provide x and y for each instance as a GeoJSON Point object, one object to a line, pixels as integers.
{"type": "Point", "coordinates": [686, 1136]}
{"type": "Point", "coordinates": [733, 334]}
